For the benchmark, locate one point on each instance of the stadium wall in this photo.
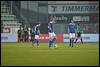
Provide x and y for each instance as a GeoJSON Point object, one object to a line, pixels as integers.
{"type": "Point", "coordinates": [86, 38]}
{"type": "Point", "coordinates": [8, 37]}
{"type": "Point", "coordinates": [5, 37]}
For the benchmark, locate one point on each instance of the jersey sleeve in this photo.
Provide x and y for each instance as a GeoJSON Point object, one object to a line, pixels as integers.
{"type": "Point", "coordinates": [49, 26]}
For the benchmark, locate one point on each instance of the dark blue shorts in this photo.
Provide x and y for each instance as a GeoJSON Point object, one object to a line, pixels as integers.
{"type": "Point", "coordinates": [53, 40]}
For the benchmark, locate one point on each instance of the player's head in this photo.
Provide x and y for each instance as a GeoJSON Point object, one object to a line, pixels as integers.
{"type": "Point", "coordinates": [38, 24]}
{"type": "Point", "coordinates": [72, 21]}
{"type": "Point", "coordinates": [51, 20]}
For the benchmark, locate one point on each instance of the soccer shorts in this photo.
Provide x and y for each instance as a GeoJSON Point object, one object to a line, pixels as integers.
{"type": "Point", "coordinates": [71, 35]}
{"type": "Point", "coordinates": [36, 36]}
{"type": "Point", "coordinates": [53, 39]}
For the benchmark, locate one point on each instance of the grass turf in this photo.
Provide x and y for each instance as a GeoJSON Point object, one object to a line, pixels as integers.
{"type": "Point", "coordinates": [23, 54]}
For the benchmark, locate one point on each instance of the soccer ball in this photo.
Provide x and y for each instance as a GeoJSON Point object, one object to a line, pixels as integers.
{"type": "Point", "coordinates": [55, 46]}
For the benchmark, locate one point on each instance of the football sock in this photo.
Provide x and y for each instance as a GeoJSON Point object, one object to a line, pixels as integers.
{"type": "Point", "coordinates": [81, 41]}
{"type": "Point", "coordinates": [49, 44]}
{"type": "Point", "coordinates": [70, 43]}
{"type": "Point", "coordinates": [75, 40]}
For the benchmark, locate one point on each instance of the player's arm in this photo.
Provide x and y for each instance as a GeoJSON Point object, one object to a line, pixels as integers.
{"type": "Point", "coordinates": [39, 31]}
{"type": "Point", "coordinates": [68, 29]}
{"type": "Point", "coordinates": [49, 26]}
{"type": "Point", "coordinates": [54, 20]}
{"type": "Point", "coordinates": [54, 35]}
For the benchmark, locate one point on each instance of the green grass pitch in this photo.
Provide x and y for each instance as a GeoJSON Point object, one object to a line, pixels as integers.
{"type": "Point", "coordinates": [23, 54]}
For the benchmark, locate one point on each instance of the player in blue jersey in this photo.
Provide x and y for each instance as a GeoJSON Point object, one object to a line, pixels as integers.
{"type": "Point", "coordinates": [52, 36]}
{"type": "Point", "coordinates": [36, 32]}
{"type": "Point", "coordinates": [79, 32]}
{"type": "Point", "coordinates": [71, 31]}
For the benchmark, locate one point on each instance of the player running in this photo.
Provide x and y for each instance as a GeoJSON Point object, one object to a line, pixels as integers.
{"type": "Point", "coordinates": [71, 31]}
{"type": "Point", "coordinates": [36, 31]}
{"type": "Point", "coordinates": [79, 32]}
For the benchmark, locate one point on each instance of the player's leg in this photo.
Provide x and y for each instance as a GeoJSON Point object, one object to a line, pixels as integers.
{"type": "Point", "coordinates": [81, 39]}
{"type": "Point", "coordinates": [28, 38]}
{"type": "Point", "coordinates": [73, 38]}
{"type": "Point", "coordinates": [53, 41]}
{"type": "Point", "coordinates": [76, 38]}
{"type": "Point", "coordinates": [32, 37]}
{"type": "Point", "coordinates": [23, 38]}
{"type": "Point", "coordinates": [37, 39]}
{"type": "Point", "coordinates": [72, 42]}
{"type": "Point", "coordinates": [70, 37]}
{"type": "Point", "coordinates": [34, 41]}
{"type": "Point", "coordinates": [50, 42]}
{"type": "Point", "coordinates": [18, 38]}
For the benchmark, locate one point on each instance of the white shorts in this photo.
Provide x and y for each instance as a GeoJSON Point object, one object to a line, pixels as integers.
{"type": "Point", "coordinates": [71, 35]}
{"type": "Point", "coordinates": [36, 36]}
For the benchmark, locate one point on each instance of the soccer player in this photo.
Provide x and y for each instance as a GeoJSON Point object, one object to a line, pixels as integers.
{"type": "Point", "coordinates": [25, 33]}
{"type": "Point", "coordinates": [22, 34]}
{"type": "Point", "coordinates": [71, 31]}
{"type": "Point", "coordinates": [33, 33]}
{"type": "Point", "coordinates": [79, 32]}
{"type": "Point", "coordinates": [52, 36]}
{"type": "Point", "coordinates": [19, 34]}
{"type": "Point", "coordinates": [29, 34]}
{"type": "Point", "coordinates": [36, 31]}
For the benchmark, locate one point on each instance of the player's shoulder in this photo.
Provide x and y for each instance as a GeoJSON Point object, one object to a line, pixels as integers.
{"type": "Point", "coordinates": [70, 23]}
